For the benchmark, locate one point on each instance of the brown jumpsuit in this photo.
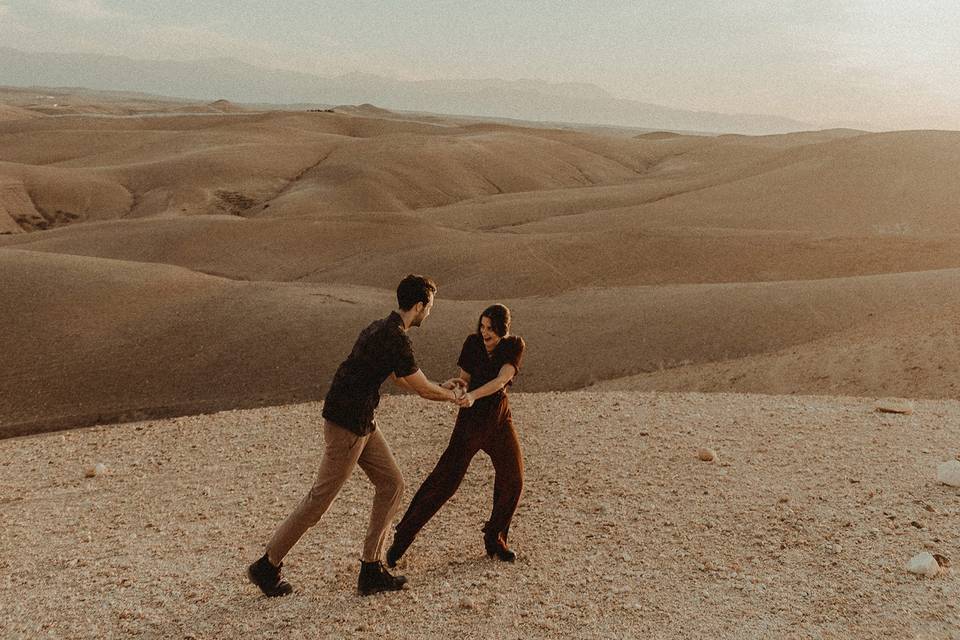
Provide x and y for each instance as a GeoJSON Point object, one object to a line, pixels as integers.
{"type": "Point", "coordinates": [486, 426]}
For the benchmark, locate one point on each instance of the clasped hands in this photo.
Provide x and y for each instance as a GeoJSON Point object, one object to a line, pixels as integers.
{"type": "Point", "coordinates": [460, 395]}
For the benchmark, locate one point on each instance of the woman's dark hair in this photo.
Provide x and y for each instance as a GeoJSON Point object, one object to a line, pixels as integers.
{"type": "Point", "coordinates": [499, 317]}
{"type": "Point", "coordinates": [414, 289]}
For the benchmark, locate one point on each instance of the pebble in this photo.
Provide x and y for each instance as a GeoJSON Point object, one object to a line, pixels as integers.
{"type": "Point", "coordinates": [924, 564]}
{"type": "Point", "coordinates": [949, 473]}
{"type": "Point", "coordinates": [707, 455]}
{"type": "Point", "coordinates": [93, 470]}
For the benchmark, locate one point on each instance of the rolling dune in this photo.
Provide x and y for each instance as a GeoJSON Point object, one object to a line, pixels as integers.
{"type": "Point", "coordinates": [11, 112]}
{"type": "Point", "coordinates": [163, 264]}
{"type": "Point", "coordinates": [89, 340]}
{"type": "Point", "coordinates": [95, 339]}
{"type": "Point", "coordinates": [499, 262]}
{"type": "Point", "coordinates": [38, 197]}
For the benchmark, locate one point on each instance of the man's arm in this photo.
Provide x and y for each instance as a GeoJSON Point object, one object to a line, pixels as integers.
{"type": "Point", "coordinates": [418, 383]}
{"type": "Point", "coordinates": [454, 384]}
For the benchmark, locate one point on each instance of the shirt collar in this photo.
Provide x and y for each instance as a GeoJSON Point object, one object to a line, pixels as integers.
{"type": "Point", "coordinates": [394, 318]}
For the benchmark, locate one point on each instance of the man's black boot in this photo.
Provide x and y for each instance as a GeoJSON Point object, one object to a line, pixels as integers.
{"type": "Point", "coordinates": [374, 578]}
{"type": "Point", "coordinates": [266, 576]}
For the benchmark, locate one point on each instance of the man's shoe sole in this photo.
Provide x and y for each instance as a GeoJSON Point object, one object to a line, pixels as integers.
{"type": "Point", "coordinates": [397, 586]}
{"type": "Point", "coordinates": [376, 591]}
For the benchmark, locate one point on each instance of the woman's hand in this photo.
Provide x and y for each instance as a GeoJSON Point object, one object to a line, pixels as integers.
{"type": "Point", "coordinates": [466, 400]}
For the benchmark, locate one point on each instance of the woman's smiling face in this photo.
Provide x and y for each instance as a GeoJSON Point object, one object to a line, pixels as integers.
{"type": "Point", "coordinates": [490, 337]}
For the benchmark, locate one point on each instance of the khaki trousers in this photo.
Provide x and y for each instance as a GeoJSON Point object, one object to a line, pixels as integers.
{"type": "Point", "coordinates": [344, 450]}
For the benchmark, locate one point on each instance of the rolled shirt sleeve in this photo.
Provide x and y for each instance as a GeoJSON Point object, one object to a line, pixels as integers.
{"type": "Point", "coordinates": [404, 363]}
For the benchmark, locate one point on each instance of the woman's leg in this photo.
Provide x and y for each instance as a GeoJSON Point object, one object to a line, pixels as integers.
{"type": "Point", "coordinates": [438, 487]}
{"type": "Point", "coordinates": [504, 452]}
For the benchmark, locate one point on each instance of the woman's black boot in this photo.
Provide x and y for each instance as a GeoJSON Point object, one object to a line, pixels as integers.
{"type": "Point", "coordinates": [496, 545]}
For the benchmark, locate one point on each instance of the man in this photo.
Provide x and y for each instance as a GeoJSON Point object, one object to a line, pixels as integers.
{"type": "Point", "coordinates": [382, 350]}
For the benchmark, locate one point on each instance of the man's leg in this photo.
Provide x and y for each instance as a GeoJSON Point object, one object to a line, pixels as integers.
{"type": "Point", "coordinates": [378, 463]}
{"type": "Point", "coordinates": [343, 449]}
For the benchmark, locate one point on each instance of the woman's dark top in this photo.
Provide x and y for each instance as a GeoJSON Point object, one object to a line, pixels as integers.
{"type": "Point", "coordinates": [484, 367]}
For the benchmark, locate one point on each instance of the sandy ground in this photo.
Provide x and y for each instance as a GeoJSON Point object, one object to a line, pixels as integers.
{"type": "Point", "coordinates": [155, 265]}
{"type": "Point", "coordinates": [800, 529]}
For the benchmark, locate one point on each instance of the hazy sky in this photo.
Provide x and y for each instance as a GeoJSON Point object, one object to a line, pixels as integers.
{"type": "Point", "coordinates": [884, 64]}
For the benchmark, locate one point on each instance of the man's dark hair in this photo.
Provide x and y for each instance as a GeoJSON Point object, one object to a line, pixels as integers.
{"type": "Point", "coordinates": [414, 289]}
{"type": "Point", "coordinates": [499, 317]}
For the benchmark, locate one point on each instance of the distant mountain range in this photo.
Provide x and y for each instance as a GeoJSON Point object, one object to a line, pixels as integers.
{"type": "Point", "coordinates": [211, 79]}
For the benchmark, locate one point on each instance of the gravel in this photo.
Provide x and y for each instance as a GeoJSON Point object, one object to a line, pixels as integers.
{"type": "Point", "coordinates": [804, 530]}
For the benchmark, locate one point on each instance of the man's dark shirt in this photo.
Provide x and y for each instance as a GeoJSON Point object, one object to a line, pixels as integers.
{"type": "Point", "coordinates": [484, 367]}
{"type": "Point", "coordinates": [381, 349]}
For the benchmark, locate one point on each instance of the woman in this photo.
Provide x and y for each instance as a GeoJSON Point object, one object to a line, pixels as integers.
{"type": "Point", "coordinates": [488, 362]}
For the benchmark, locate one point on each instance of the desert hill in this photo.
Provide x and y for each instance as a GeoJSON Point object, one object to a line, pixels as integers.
{"type": "Point", "coordinates": [178, 341]}
{"type": "Point", "coordinates": [225, 106]}
{"type": "Point", "coordinates": [311, 163]}
{"type": "Point", "coordinates": [229, 259]}
{"type": "Point", "coordinates": [68, 101]}
{"type": "Point", "coordinates": [886, 354]}
{"type": "Point", "coordinates": [12, 112]}
{"type": "Point", "coordinates": [365, 109]}
{"type": "Point", "coordinates": [890, 183]}
{"type": "Point", "coordinates": [657, 135]}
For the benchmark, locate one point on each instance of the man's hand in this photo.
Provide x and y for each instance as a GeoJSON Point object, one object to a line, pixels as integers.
{"type": "Point", "coordinates": [458, 386]}
{"type": "Point", "coordinates": [454, 383]}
